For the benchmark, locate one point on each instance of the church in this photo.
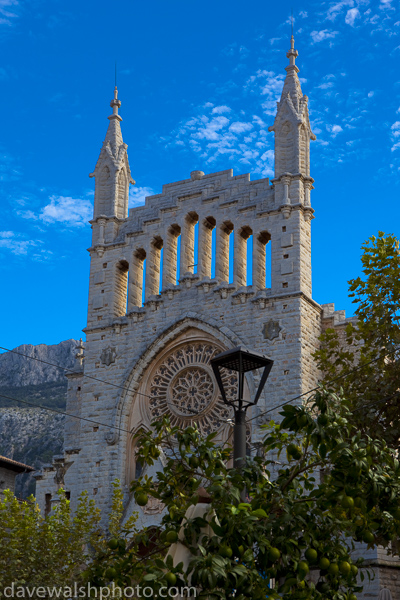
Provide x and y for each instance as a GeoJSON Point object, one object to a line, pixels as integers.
{"type": "Point", "coordinates": [173, 283]}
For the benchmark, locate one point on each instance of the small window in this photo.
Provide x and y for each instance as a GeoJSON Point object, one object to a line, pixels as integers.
{"type": "Point", "coordinates": [47, 504]}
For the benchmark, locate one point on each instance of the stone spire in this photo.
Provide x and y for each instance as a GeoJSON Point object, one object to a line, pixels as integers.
{"type": "Point", "coordinates": [112, 172]}
{"type": "Point", "coordinates": [292, 85]}
{"type": "Point", "coordinates": [292, 141]}
{"type": "Point", "coordinates": [114, 133]}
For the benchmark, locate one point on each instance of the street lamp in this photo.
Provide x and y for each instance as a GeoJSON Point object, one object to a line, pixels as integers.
{"type": "Point", "coordinates": [240, 360]}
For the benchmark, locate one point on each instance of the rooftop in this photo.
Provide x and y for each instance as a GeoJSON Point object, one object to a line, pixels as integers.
{"type": "Point", "coordinates": [14, 465]}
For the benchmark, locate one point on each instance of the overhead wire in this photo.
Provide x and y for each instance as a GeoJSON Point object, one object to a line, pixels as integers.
{"type": "Point", "coordinates": [319, 387]}
{"type": "Point", "coordinates": [147, 396]}
{"type": "Point", "coordinates": [60, 412]}
{"type": "Point", "coordinates": [122, 387]}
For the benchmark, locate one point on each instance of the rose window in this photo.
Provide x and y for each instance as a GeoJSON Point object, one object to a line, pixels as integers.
{"type": "Point", "coordinates": [183, 388]}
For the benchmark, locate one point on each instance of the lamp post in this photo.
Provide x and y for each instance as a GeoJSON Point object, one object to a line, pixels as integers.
{"type": "Point", "coordinates": [241, 361]}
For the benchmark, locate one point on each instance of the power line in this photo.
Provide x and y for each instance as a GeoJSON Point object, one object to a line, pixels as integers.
{"type": "Point", "coordinates": [318, 387]}
{"type": "Point", "coordinates": [60, 412]}
{"type": "Point", "coordinates": [87, 376]}
{"type": "Point", "coordinates": [122, 387]}
{"type": "Point", "coordinates": [147, 396]}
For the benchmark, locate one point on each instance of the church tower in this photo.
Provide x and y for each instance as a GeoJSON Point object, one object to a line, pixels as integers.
{"type": "Point", "coordinates": [155, 318]}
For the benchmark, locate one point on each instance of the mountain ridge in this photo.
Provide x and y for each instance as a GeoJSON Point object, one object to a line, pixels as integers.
{"type": "Point", "coordinates": [31, 434]}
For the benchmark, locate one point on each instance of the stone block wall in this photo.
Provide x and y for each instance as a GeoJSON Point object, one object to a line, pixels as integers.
{"type": "Point", "coordinates": [7, 479]}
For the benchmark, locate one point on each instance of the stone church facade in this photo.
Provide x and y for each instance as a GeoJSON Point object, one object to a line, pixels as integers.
{"type": "Point", "coordinates": [155, 320]}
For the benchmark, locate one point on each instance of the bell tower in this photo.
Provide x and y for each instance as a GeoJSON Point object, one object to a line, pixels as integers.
{"type": "Point", "coordinates": [156, 319]}
{"type": "Point", "coordinates": [291, 257]}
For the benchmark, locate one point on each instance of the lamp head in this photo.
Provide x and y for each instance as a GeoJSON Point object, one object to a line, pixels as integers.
{"type": "Point", "coordinates": [241, 361]}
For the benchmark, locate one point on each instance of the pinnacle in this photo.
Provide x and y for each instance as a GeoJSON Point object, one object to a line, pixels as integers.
{"type": "Point", "coordinates": [292, 87]}
{"type": "Point", "coordinates": [114, 134]}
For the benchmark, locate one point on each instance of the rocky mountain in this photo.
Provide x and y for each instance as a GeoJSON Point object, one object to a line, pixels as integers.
{"type": "Point", "coordinates": [34, 365]}
{"type": "Point", "coordinates": [28, 434]}
{"type": "Point", "coordinates": [31, 436]}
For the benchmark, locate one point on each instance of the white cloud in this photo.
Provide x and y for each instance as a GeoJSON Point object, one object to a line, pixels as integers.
{"type": "Point", "coordinates": [64, 209]}
{"type": "Point", "coordinates": [210, 129]}
{"type": "Point", "coordinates": [370, 94]}
{"type": "Point", "coordinates": [232, 138]}
{"type": "Point", "coordinates": [395, 134]}
{"type": "Point", "coordinates": [12, 242]}
{"type": "Point", "coordinates": [351, 16]}
{"type": "Point", "coordinates": [337, 7]}
{"type": "Point", "coordinates": [219, 110]}
{"type": "Point", "coordinates": [334, 129]}
{"type": "Point", "coordinates": [137, 195]}
{"type": "Point", "coordinates": [240, 127]}
{"type": "Point", "coordinates": [74, 212]}
{"type": "Point", "coordinates": [396, 129]}
{"type": "Point", "coordinates": [323, 34]}
{"type": "Point", "coordinates": [269, 85]}
{"type": "Point", "coordinates": [7, 15]}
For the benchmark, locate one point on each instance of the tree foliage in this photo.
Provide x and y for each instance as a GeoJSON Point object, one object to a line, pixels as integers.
{"type": "Point", "coordinates": [293, 536]}
{"type": "Point", "coordinates": [371, 344]}
{"type": "Point", "coordinates": [38, 551]}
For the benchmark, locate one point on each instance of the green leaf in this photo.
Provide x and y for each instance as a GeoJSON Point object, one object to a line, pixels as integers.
{"type": "Point", "coordinates": [259, 512]}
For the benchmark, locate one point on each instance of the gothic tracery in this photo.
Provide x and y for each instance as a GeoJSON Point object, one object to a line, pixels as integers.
{"type": "Point", "coordinates": [183, 388]}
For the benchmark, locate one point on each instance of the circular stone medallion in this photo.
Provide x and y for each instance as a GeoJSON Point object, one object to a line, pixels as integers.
{"type": "Point", "coordinates": [183, 389]}
{"type": "Point", "coordinates": [190, 392]}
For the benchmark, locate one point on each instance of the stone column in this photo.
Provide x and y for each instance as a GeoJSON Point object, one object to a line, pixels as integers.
{"type": "Point", "coordinates": [187, 246]}
{"type": "Point", "coordinates": [307, 188]}
{"type": "Point", "coordinates": [153, 257]}
{"type": "Point", "coordinates": [286, 181]}
{"type": "Point", "coordinates": [170, 256]}
{"type": "Point", "coordinates": [222, 252]}
{"type": "Point", "coordinates": [135, 286]}
{"type": "Point", "coordinates": [120, 289]}
{"type": "Point", "coordinates": [205, 247]}
{"type": "Point", "coordinates": [101, 223]}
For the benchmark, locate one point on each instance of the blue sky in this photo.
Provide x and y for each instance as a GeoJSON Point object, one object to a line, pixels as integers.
{"type": "Point", "coordinates": [198, 84]}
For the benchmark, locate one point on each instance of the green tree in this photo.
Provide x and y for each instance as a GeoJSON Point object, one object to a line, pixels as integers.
{"type": "Point", "coordinates": [38, 551]}
{"type": "Point", "coordinates": [371, 345]}
{"type": "Point", "coordinates": [320, 487]}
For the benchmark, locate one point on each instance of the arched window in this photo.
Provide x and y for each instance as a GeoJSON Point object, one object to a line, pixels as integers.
{"type": "Point", "coordinates": [249, 260]}
{"type": "Point", "coordinates": [134, 467]}
{"type": "Point", "coordinates": [261, 260]}
{"type": "Point", "coordinates": [213, 251]}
